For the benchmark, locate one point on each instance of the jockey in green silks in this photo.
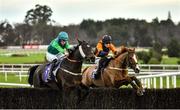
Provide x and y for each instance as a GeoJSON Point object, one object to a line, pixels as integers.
{"type": "Point", "coordinates": [57, 47]}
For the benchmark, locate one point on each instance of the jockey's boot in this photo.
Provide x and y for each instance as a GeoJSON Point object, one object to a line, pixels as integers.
{"type": "Point", "coordinates": [51, 69]}
{"type": "Point", "coordinates": [97, 73]}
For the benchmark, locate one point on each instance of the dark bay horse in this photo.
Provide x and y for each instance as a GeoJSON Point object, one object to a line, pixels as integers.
{"type": "Point", "coordinates": [115, 74]}
{"type": "Point", "coordinates": [69, 71]}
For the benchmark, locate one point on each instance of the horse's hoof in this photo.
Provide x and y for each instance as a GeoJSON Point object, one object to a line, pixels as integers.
{"type": "Point", "coordinates": [143, 90]}
{"type": "Point", "coordinates": [140, 92]}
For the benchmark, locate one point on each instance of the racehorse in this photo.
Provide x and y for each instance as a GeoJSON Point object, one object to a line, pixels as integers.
{"type": "Point", "coordinates": [115, 74]}
{"type": "Point", "coordinates": [69, 69]}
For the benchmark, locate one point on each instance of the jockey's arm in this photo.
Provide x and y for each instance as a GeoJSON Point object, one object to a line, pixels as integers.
{"type": "Point", "coordinates": [113, 49]}
{"type": "Point", "coordinates": [99, 48]}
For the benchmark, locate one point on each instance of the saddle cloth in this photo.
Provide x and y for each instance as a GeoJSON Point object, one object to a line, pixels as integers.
{"type": "Point", "coordinates": [46, 73]}
{"type": "Point", "coordinates": [49, 73]}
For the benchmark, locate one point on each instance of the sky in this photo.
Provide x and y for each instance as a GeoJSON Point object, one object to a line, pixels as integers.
{"type": "Point", "coordinates": [67, 12]}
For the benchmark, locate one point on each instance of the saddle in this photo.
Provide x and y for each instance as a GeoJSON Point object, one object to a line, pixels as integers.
{"type": "Point", "coordinates": [105, 63]}
{"type": "Point", "coordinates": [100, 68]}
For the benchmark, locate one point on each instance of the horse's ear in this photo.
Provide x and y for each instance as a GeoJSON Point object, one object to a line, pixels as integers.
{"type": "Point", "coordinates": [79, 41]}
{"type": "Point", "coordinates": [122, 46]}
{"type": "Point", "coordinates": [116, 54]}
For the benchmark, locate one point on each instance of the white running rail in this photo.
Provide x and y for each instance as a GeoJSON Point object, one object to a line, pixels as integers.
{"type": "Point", "coordinates": [150, 80]}
{"type": "Point", "coordinates": [15, 84]}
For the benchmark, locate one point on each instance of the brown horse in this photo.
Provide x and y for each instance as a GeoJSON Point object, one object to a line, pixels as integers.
{"type": "Point", "coordinates": [115, 74]}
{"type": "Point", "coordinates": [69, 69]}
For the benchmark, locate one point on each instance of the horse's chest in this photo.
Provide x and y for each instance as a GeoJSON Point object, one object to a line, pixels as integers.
{"type": "Point", "coordinates": [69, 78]}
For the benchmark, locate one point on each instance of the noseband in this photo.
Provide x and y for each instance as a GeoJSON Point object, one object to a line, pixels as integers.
{"type": "Point", "coordinates": [81, 52]}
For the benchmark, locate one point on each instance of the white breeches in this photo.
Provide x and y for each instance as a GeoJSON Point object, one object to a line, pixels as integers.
{"type": "Point", "coordinates": [50, 57]}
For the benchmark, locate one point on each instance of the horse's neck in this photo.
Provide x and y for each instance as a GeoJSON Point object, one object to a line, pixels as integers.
{"type": "Point", "coordinates": [118, 61]}
{"type": "Point", "coordinates": [76, 56]}
{"type": "Point", "coordinates": [72, 65]}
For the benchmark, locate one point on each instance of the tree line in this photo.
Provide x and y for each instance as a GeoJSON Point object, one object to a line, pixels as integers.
{"type": "Point", "coordinates": [38, 27]}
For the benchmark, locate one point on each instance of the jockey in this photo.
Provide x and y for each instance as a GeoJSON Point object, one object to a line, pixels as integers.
{"type": "Point", "coordinates": [57, 47]}
{"type": "Point", "coordinates": [102, 50]}
{"type": "Point", "coordinates": [56, 50]}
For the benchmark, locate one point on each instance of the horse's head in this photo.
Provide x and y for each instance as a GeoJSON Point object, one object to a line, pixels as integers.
{"type": "Point", "coordinates": [128, 58]}
{"type": "Point", "coordinates": [83, 51]}
{"type": "Point", "coordinates": [132, 60]}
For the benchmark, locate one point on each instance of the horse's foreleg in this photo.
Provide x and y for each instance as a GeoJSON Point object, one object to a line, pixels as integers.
{"type": "Point", "coordinates": [140, 89]}
{"type": "Point", "coordinates": [134, 85]}
{"type": "Point", "coordinates": [83, 92]}
{"type": "Point", "coordinates": [126, 81]}
{"type": "Point", "coordinates": [119, 83]}
{"type": "Point", "coordinates": [138, 82]}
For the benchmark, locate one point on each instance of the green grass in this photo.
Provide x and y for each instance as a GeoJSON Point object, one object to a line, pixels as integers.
{"type": "Point", "coordinates": [39, 57]}
{"type": "Point", "coordinates": [13, 78]}
{"type": "Point", "coordinates": [169, 60]}
{"type": "Point", "coordinates": [31, 58]}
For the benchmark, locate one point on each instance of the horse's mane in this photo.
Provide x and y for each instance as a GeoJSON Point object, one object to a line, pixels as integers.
{"type": "Point", "coordinates": [122, 50]}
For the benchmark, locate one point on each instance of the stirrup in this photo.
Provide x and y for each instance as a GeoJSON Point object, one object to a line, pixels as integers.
{"type": "Point", "coordinates": [93, 75]}
{"type": "Point", "coordinates": [49, 78]}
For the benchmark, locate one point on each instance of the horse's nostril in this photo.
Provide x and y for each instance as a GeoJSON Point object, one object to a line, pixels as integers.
{"type": "Point", "coordinates": [93, 59]}
{"type": "Point", "coordinates": [137, 70]}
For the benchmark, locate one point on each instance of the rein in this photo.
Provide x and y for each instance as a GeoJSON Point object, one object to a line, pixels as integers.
{"type": "Point", "coordinates": [120, 69]}
{"type": "Point", "coordinates": [114, 68]}
{"type": "Point", "coordinates": [67, 71]}
{"type": "Point", "coordinates": [72, 60]}
{"type": "Point", "coordinates": [75, 61]}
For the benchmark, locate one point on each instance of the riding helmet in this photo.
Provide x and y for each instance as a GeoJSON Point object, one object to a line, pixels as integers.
{"type": "Point", "coordinates": [63, 36]}
{"type": "Point", "coordinates": [106, 39]}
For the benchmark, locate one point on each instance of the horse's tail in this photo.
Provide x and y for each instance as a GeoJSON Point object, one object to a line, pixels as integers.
{"type": "Point", "coordinates": [31, 72]}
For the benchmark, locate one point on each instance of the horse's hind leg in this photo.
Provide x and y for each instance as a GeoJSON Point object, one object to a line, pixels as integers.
{"type": "Point", "coordinates": [36, 81]}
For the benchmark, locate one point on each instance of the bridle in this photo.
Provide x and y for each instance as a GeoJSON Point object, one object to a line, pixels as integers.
{"type": "Point", "coordinates": [83, 55]}
{"type": "Point", "coordinates": [126, 63]}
